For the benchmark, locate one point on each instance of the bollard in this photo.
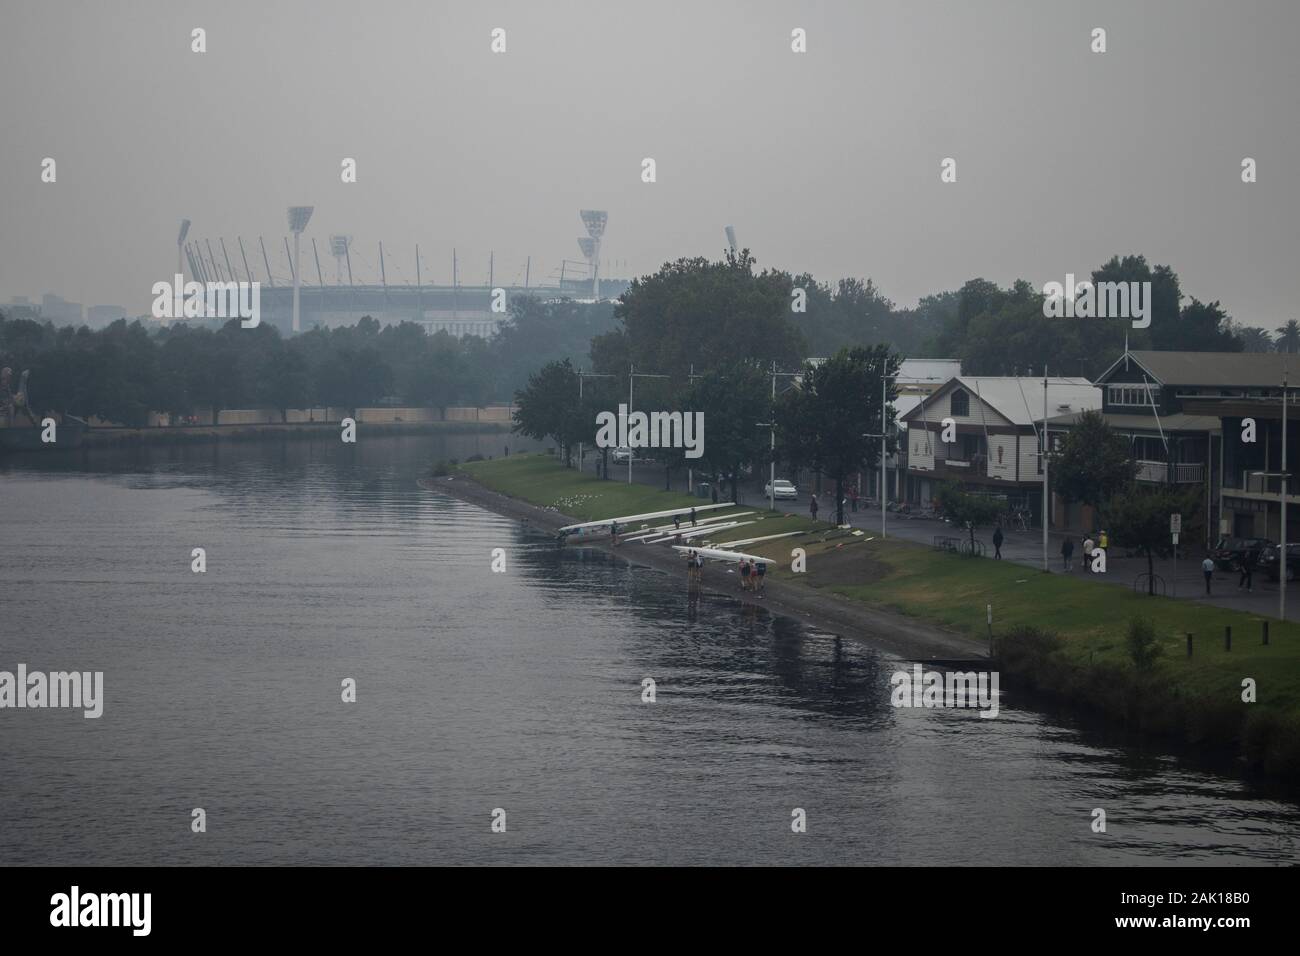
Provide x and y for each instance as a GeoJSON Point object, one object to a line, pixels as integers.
{"type": "Point", "coordinates": [1189, 643]}
{"type": "Point", "coordinates": [1227, 638]}
{"type": "Point", "coordinates": [1266, 633]}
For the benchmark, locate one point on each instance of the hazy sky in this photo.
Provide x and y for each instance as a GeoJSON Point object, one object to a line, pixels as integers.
{"type": "Point", "coordinates": [826, 161]}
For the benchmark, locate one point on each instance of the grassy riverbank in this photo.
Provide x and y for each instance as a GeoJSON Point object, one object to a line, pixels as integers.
{"type": "Point", "coordinates": [1061, 634]}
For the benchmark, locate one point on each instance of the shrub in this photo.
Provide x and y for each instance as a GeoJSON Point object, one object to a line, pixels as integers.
{"type": "Point", "coordinates": [1143, 646]}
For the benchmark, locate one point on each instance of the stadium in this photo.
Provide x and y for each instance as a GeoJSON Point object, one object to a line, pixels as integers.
{"type": "Point", "coordinates": [457, 309]}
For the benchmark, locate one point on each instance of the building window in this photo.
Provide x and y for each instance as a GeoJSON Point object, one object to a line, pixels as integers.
{"type": "Point", "coordinates": [1137, 396]}
{"type": "Point", "coordinates": [960, 403]}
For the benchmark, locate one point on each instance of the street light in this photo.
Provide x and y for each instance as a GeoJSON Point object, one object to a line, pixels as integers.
{"type": "Point", "coordinates": [884, 434]}
{"type": "Point", "coordinates": [581, 375]}
{"type": "Point", "coordinates": [298, 216]}
{"type": "Point", "coordinates": [771, 481]}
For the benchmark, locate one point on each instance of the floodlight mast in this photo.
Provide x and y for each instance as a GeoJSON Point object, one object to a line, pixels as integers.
{"type": "Point", "coordinates": [180, 241]}
{"type": "Point", "coordinates": [298, 217]}
{"type": "Point", "coordinates": [595, 220]}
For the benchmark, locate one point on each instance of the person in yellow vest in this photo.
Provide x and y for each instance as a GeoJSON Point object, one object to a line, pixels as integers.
{"type": "Point", "coordinates": [1103, 541]}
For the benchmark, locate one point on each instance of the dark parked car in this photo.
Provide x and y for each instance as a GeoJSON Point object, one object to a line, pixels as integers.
{"type": "Point", "coordinates": [1229, 552]}
{"type": "Point", "coordinates": [1268, 561]}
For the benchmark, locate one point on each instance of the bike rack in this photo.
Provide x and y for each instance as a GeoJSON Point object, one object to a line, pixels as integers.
{"type": "Point", "coordinates": [1159, 584]}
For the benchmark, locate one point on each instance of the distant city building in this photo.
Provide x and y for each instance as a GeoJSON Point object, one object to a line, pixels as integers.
{"type": "Point", "coordinates": [60, 311]}
{"type": "Point", "coordinates": [20, 307]}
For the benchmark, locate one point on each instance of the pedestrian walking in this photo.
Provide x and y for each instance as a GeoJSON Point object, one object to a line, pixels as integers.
{"type": "Point", "coordinates": [1067, 553]}
{"type": "Point", "coordinates": [761, 572]}
{"type": "Point", "coordinates": [613, 533]}
{"type": "Point", "coordinates": [1103, 541]}
{"type": "Point", "coordinates": [1207, 568]}
{"type": "Point", "coordinates": [997, 544]}
{"type": "Point", "coordinates": [677, 522]}
{"type": "Point", "coordinates": [692, 517]}
{"type": "Point", "coordinates": [813, 506]}
{"type": "Point", "coordinates": [744, 574]}
{"type": "Point", "coordinates": [1087, 553]}
{"type": "Point", "coordinates": [1247, 578]}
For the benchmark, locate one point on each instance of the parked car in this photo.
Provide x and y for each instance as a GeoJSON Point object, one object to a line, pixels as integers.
{"type": "Point", "coordinates": [1268, 562]}
{"type": "Point", "coordinates": [780, 489]}
{"type": "Point", "coordinates": [1229, 552]}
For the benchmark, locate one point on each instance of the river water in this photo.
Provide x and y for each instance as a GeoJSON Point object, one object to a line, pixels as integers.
{"type": "Point", "coordinates": [478, 691]}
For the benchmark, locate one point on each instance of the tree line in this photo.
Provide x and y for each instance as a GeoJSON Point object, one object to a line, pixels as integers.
{"type": "Point", "coordinates": [126, 370]}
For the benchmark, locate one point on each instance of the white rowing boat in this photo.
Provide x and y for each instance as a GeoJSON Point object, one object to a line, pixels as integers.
{"type": "Point", "coordinates": [721, 554]}
{"type": "Point", "coordinates": [591, 529]}
{"type": "Point", "coordinates": [664, 529]}
{"type": "Point", "coordinates": [766, 537]}
{"type": "Point", "coordinates": [686, 534]}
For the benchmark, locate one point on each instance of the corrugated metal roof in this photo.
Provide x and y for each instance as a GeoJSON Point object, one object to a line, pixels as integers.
{"type": "Point", "coordinates": [1170, 423]}
{"type": "Point", "coordinates": [928, 370]}
{"type": "Point", "coordinates": [1221, 369]}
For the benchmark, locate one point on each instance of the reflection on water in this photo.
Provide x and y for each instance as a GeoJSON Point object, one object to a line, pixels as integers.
{"type": "Point", "coordinates": [477, 690]}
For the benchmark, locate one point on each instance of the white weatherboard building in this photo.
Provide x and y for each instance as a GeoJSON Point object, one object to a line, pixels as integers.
{"type": "Point", "coordinates": [995, 435]}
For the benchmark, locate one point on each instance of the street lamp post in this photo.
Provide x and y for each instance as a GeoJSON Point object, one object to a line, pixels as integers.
{"type": "Point", "coordinates": [771, 481]}
{"type": "Point", "coordinates": [581, 375]}
{"type": "Point", "coordinates": [883, 436]}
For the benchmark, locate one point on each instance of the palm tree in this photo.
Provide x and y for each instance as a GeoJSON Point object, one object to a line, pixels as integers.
{"type": "Point", "coordinates": [1254, 340]}
{"type": "Point", "coordinates": [1288, 337]}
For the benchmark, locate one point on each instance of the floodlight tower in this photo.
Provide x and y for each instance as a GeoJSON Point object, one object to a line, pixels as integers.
{"type": "Point", "coordinates": [180, 241]}
{"type": "Point", "coordinates": [298, 216]}
{"type": "Point", "coordinates": [339, 249]}
{"type": "Point", "coordinates": [594, 220]}
{"type": "Point", "coordinates": [588, 247]}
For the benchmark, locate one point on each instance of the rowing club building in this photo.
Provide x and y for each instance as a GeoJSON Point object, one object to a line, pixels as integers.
{"type": "Point", "coordinates": [993, 445]}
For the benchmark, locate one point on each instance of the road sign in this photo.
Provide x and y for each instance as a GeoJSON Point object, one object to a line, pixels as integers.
{"type": "Point", "coordinates": [1175, 537]}
{"type": "Point", "coordinates": [1175, 524]}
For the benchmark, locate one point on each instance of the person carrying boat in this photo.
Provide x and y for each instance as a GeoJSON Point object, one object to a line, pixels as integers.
{"type": "Point", "coordinates": [760, 570]}
{"type": "Point", "coordinates": [613, 533]}
{"type": "Point", "coordinates": [744, 574]}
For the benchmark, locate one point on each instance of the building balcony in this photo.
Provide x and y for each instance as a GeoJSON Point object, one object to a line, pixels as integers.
{"type": "Point", "coordinates": [1184, 473]}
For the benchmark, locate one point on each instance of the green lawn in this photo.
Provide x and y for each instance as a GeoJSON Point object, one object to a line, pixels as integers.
{"type": "Point", "coordinates": [952, 590]}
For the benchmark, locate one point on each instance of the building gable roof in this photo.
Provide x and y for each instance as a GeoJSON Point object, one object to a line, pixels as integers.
{"type": "Point", "coordinates": [1215, 369]}
{"type": "Point", "coordinates": [1018, 400]}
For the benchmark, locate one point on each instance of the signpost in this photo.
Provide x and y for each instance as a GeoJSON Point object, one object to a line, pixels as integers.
{"type": "Point", "coordinates": [1175, 529]}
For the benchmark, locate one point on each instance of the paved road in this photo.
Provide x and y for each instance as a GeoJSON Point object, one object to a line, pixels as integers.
{"type": "Point", "coordinates": [1025, 548]}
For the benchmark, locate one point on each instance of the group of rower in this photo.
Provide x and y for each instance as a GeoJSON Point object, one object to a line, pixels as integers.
{"type": "Point", "coordinates": [694, 567]}
{"type": "Point", "coordinates": [752, 575]}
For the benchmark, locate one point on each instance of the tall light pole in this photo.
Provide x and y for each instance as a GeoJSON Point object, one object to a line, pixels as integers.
{"type": "Point", "coordinates": [581, 375]}
{"type": "Point", "coordinates": [298, 216]}
{"type": "Point", "coordinates": [1044, 460]}
{"type": "Point", "coordinates": [595, 220]}
{"type": "Point", "coordinates": [1282, 556]}
{"type": "Point", "coordinates": [180, 240]}
{"type": "Point", "coordinates": [883, 436]}
{"type": "Point", "coordinates": [771, 481]}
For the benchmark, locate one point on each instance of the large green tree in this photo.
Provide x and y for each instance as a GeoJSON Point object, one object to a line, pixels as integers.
{"type": "Point", "coordinates": [698, 314]}
{"type": "Point", "coordinates": [733, 399]}
{"type": "Point", "coordinates": [549, 407]}
{"type": "Point", "coordinates": [1139, 519]}
{"type": "Point", "coordinates": [827, 421]}
{"type": "Point", "coordinates": [1093, 462]}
